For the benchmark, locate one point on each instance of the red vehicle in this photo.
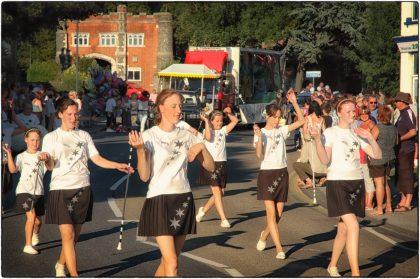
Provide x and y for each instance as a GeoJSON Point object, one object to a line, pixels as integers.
{"type": "Point", "coordinates": [132, 89]}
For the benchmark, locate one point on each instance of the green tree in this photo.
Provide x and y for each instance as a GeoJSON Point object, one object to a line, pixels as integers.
{"type": "Point", "coordinates": [374, 52]}
{"type": "Point", "coordinates": [318, 26]}
{"type": "Point", "coordinates": [42, 71]}
{"type": "Point", "coordinates": [66, 80]}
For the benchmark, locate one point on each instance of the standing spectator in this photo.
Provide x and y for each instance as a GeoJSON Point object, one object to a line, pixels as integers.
{"type": "Point", "coordinates": [163, 153]}
{"type": "Point", "coordinates": [367, 123]}
{"type": "Point", "coordinates": [37, 108]}
{"type": "Point", "coordinates": [27, 117]}
{"type": "Point", "coordinates": [326, 111]}
{"type": "Point", "coordinates": [380, 169]}
{"type": "Point", "coordinates": [75, 97]}
{"type": "Point", "coordinates": [70, 199]}
{"type": "Point", "coordinates": [49, 110]}
{"type": "Point", "coordinates": [406, 126]}
{"type": "Point", "coordinates": [273, 177]}
{"type": "Point", "coordinates": [142, 109]}
{"type": "Point", "coordinates": [110, 108]}
{"type": "Point", "coordinates": [339, 150]}
{"type": "Point", "coordinates": [372, 103]}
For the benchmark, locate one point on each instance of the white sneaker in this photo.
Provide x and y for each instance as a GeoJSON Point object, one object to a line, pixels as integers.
{"type": "Point", "coordinates": [261, 243]}
{"type": "Point", "coordinates": [60, 270]}
{"type": "Point", "coordinates": [35, 239]}
{"type": "Point", "coordinates": [28, 249]}
{"type": "Point", "coordinates": [333, 271]}
{"type": "Point", "coordinates": [109, 130]}
{"type": "Point", "coordinates": [200, 214]}
{"type": "Point", "coordinates": [281, 255]}
{"type": "Point", "coordinates": [225, 224]}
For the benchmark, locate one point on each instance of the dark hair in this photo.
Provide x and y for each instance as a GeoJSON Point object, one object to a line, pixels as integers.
{"type": "Point", "coordinates": [161, 98]}
{"type": "Point", "coordinates": [271, 109]}
{"type": "Point", "coordinates": [364, 110]}
{"type": "Point", "coordinates": [384, 114]}
{"type": "Point", "coordinates": [63, 104]}
{"type": "Point", "coordinates": [326, 106]}
{"type": "Point", "coordinates": [315, 108]}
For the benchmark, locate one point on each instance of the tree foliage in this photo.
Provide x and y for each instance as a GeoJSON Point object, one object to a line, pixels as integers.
{"type": "Point", "coordinates": [42, 71]}
{"type": "Point", "coordinates": [374, 52]}
{"type": "Point", "coordinates": [66, 80]}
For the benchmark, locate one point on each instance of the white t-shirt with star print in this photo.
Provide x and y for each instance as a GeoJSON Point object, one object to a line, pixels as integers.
{"type": "Point", "coordinates": [169, 160]}
{"type": "Point", "coordinates": [345, 156]}
{"type": "Point", "coordinates": [71, 151]}
{"type": "Point", "coordinates": [217, 145]}
{"type": "Point", "coordinates": [274, 147]}
{"type": "Point", "coordinates": [31, 173]}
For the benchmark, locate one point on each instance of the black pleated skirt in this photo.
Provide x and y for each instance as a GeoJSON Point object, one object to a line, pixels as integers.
{"type": "Point", "coordinates": [346, 196]}
{"type": "Point", "coordinates": [216, 178]}
{"type": "Point", "coordinates": [25, 202]}
{"type": "Point", "coordinates": [273, 185]}
{"type": "Point", "coordinates": [168, 215]}
{"type": "Point", "coordinates": [69, 206]}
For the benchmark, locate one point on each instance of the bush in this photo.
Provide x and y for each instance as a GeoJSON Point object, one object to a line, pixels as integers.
{"type": "Point", "coordinates": [42, 71]}
{"type": "Point", "coordinates": [66, 80]}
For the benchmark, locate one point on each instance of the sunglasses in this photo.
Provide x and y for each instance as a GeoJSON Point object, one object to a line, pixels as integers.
{"type": "Point", "coordinates": [373, 103]}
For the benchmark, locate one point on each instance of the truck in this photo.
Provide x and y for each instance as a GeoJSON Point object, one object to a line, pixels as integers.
{"type": "Point", "coordinates": [244, 78]}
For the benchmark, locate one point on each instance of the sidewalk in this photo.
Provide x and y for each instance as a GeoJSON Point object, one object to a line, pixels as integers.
{"type": "Point", "coordinates": [407, 221]}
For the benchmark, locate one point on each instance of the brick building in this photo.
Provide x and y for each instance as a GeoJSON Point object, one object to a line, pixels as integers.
{"type": "Point", "coordinates": [137, 47]}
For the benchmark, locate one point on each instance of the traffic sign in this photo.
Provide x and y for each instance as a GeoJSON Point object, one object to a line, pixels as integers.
{"type": "Point", "coordinates": [313, 74]}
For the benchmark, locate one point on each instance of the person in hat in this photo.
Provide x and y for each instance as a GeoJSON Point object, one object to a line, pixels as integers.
{"type": "Point", "coordinates": [406, 126]}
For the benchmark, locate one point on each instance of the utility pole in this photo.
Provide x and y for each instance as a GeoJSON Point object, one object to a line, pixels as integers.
{"type": "Point", "coordinates": [77, 57]}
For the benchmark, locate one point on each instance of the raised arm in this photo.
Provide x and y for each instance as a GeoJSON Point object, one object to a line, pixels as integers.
{"type": "Point", "coordinates": [10, 163]}
{"type": "Point", "coordinates": [143, 157]}
{"type": "Point", "coordinates": [291, 97]}
{"type": "Point", "coordinates": [372, 150]}
{"type": "Point", "coordinates": [258, 145]}
{"type": "Point", "coordinates": [207, 130]}
{"type": "Point", "coordinates": [324, 153]}
{"type": "Point", "coordinates": [233, 119]}
{"type": "Point", "coordinates": [200, 152]}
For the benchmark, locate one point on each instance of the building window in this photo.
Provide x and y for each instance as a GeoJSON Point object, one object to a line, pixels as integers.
{"type": "Point", "coordinates": [416, 63]}
{"type": "Point", "coordinates": [83, 39]}
{"type": "Point", "coordinates": [136, 39]}
{"type": "Point", "coordinates": [415, 11]}
{"type": "Point", "coordinates": [107, 39]}
{"type": "Point", "coordinates": [134, 74]}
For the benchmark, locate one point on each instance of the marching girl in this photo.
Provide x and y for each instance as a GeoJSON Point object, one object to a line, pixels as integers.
{"type": "Point", "coordinates": [30, 189]}
{"type": "Point", "coordinates": [215, 140]}
{"type": "Point", "coordinates": [70, 199]}
{"type": "Point", "coordinates": [163, 153]}
{"type": "Point", "coordinates": [273, 178]}
{"type": "Point", "coordinates": [339, 150]}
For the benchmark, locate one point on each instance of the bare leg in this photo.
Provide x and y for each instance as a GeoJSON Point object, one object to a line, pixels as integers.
{"type": "Point", "coordinates": [170, 248]}
{"type": "Point", "coordinates": [388, 206]}
{"type": "Point", "coordinates": [352, 242]}
{"type": "Point", "coordinates": [37, 224]}
{"type": "Point", "coordinates": [339, 243]}
{"type": "Point", "coordinates": [409, 198]}
{"type": "Point", "coordinates": [29, 226]}
{"type": "Point", "coordinates": [272, 224]}
{"type": "Point", "coordinates": [217, 195]}
{"type": "Point", "coordinates": [380, 193]}
{"type": "Point", "coordinates": [69, 234]}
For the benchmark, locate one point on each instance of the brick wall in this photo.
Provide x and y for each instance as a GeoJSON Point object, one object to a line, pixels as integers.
{"type": "Point", "coordinates": [146, 57]}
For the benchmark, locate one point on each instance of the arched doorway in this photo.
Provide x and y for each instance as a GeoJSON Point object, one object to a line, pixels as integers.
{"type": "Point", "coordinates": [104, 61]}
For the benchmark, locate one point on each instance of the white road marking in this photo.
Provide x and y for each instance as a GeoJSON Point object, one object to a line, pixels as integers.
{"type": "Point", "coordinates": [125, 220]}
{"type": "Point", "coordinates": [387, 239]}
{"type": "Point", "coordinates": [117, 212]}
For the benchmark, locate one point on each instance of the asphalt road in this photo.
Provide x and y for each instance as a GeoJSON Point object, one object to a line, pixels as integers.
{"type": "Point", "coordinates": [306, 232]}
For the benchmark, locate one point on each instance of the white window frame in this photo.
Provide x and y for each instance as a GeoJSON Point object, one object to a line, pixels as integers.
{"type": "Point", "coordinates": [103, 37]}
{"type": "Point", "coordinates": [135, 39]}
{"type": "Point", "coordinates": [84, 39]}
{"type": "Point", "coordinates": [415, 8]}
{"type": "Point", "coordinates": [133, 70]}
{"type": "Point", "coordinates": [415, 88]}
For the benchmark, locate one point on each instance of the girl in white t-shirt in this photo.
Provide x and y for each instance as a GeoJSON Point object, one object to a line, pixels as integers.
{"type": "Point", "coordinates": [163, 153]}
{"type": "Point", "coordinates": [273, 178]}
{"type": "Point", "coordinates": [339, 150]}
{"type": "Point", "coordinates": [30, 188]}
{"type": "Point", "coordinates": [70, 199]}
{"type": "Point", "coordinates": [215, 141]}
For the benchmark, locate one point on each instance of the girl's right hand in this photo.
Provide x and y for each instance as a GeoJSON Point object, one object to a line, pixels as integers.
{"type": "Point", "coordinates": [135, 140]}
{"type": "Point", "coordinates": [6, 148]}
{"type": "Point", "coordinates": [257, 130]}
{"type": "Point", "coordinates": [314, 131]}
{"type": "Point", "coordinates": [203, 116]}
